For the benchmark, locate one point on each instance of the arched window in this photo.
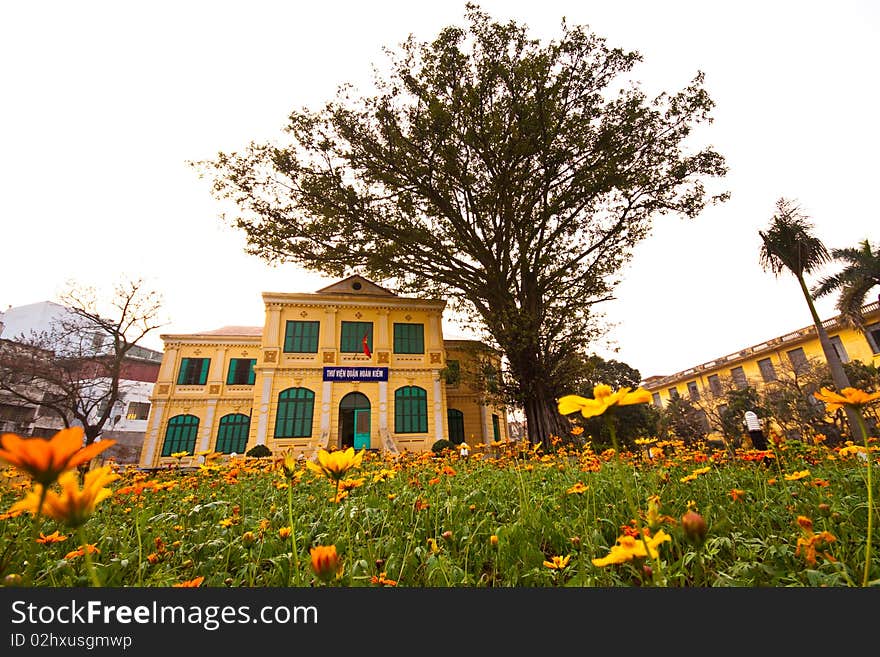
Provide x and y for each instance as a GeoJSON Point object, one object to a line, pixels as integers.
{"type": "Point", "coordinates": [180, 435]}
{"type": "Point", "coordinates": [410, 410]}
{"type": "Point", "coordinates": [233, 433]}
{"type": "Point", "coordinates": [294, 417]}
{"type": "Point", "coordinates": [455, 420]}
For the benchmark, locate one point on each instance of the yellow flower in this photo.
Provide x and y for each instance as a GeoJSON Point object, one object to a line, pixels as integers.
{"type": "Point", "coordinates": [645, 441]}
{"type": "Point", "coordinates": [288, 463]}
{"type": "Point", "coordinates": [850, 397]}
{"type": "Point", "coordinates": [285, 532]}
{"type": "Point", "coordinates": [794, 476]}
{"type": "Point", "coordinates": [179, 455]}
{"type": "Point", "coordinates": [653, 516]}
{"type": "Point", "coordinates": [44, 460]}
{"type": "Point", "coordinates": [578, 489]}
{"type": "Point", "coordinates": [334, 465]}
{"type": "Point", "coordinates": [603, 399]}
{"type": "Point", "coordinates": [629, 547]}
{"type": "Point", "coordinates": [326, 562]}
{"type": "Point", "coordinates": [558, 563]}
{"type": "Point", "coordinates": [73, 506]}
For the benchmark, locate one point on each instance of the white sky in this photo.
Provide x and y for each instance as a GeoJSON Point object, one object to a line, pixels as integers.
{"type": "Point", "coordinates": [104, 102]}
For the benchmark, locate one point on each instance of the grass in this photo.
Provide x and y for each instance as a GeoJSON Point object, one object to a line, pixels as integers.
{"type": "Point", "coordinates": [495, 519]}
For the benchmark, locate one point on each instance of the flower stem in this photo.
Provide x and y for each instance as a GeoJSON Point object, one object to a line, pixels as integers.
{"type": "Point", "coordinates": [90, 567]}
{"type": "Point", "coordinates": [864, 430]}
{"type": "Point", "coordinates": [292, 530]}
{"type": "Point", "coordinates": [35, 530]}
{"type": "Point", "coordinates": [612, 429]}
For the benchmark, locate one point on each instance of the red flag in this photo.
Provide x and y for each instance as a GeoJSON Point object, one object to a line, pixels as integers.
{"type": "Point", "coordinates": [367, 347]}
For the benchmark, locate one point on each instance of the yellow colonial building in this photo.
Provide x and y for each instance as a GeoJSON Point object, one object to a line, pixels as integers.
{"type": "Point", "coordinates": [351, 365]}
{"type": "Point", "coordinates": [763, 363]}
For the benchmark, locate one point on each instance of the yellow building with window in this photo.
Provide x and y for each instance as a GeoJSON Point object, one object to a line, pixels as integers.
{"type": "Point", "coordinates": [351, 365]}
{"type": "Point", "coordinates": [763, 363]}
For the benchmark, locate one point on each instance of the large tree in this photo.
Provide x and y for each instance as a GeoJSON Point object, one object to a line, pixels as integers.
{"type": "Point", "coordinates": [789, 244]}
{"type": "Point", "coordinates": [509, 176]}
{"type": "Point", "coordinates": [860, 274]}
{"type": "Point", "coordinates": [76, 369]}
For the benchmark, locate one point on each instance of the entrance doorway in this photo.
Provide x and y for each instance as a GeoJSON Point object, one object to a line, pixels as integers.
{"type": "Point", "coordinates": [354, 421]}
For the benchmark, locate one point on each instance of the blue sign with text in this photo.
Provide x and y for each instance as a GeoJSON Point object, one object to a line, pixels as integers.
{"type": "Point", "coordinates": [355, 373]}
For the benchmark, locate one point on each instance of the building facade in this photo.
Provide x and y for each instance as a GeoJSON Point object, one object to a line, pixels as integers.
{"type": "Point", "coordinates": [764, 363]}
{"type": "Point", "coordinates": [39, 323]}
{"type": "Point", "coordinates": [351, 365]}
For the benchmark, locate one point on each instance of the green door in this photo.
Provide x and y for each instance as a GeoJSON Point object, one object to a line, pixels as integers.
{"type": "Point", "coordinates": [362, 428]}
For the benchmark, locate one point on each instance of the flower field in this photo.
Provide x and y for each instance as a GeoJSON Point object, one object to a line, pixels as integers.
{"type": "Point", "coordinates": [508, 515]}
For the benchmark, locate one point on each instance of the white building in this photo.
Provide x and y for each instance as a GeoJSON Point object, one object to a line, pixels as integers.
{"type": "Point", "coordinates": [128, 420]}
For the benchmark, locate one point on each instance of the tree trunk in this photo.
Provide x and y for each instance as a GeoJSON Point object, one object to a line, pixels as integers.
{"type": "Point", "coordinates": [838, 374]}
{"type": "Point", "coordinates": [543, 420]}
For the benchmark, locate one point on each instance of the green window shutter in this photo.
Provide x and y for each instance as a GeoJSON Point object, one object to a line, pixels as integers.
{"type": "Point", "coordinates": [455, 420]}
{"type": "Point", "coordinates": [180, 435]}
{"type": "Point", "coordinates": [230, 376]}
{"type": "Point", "coordinates": [301, 337]}
{"type": "Point", "coordinates": [410, 410]}
{"type": "Point", "coordinates": [181, 375]}
{"type": "Point", "coordinates": [496, 428]}
{"type": "Point", "coordinates": [351, 337]}
{"type": "Point", "coordinates": [203, 376]}
{"type": "Point", "coordinates": [295, 413]}
{"type": "Point", "coordinates": [409, 338]}
{"type": "Point", "coordinates": [252, 376]}
{"type": "Point", "coordinates": [232, 434]}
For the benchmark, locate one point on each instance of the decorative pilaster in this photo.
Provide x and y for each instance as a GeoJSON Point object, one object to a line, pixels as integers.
{"type": "Point", "coordinates": [263, 408]}
{"type": "Point", "coordinates": [204, 440]}
{"type": "Point", "coordinates": [149, 452]}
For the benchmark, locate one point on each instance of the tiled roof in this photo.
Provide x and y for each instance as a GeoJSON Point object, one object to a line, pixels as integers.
{"type": "Point", "coordinates": [235, 330]}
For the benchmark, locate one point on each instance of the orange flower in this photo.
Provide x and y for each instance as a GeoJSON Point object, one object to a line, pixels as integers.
{"type": "Point", "coordinates": [80, 551]}
{"type": "Point", "coordinates": [54, 537]}
{"type": "Point", "coordinates": [850, 397]}
{"type": "Point", "coordinates": [325, 562]}
{"type": "Point", "coordinates": [737, 494]}
{"type": "Point", "coordinates": [578, 489]}
{"type": "Point", "coordinates": [44, 460]}
{"type": "Point", "coordinates": [381, 580]}
{"type": "Point", "coordinates": [73, 506]}
{"type": "Point", "coordinates": [192, 583]}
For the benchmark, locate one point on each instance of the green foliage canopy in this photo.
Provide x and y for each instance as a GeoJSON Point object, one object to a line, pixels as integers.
{"type": "Point", "coordinates": [508, 176]}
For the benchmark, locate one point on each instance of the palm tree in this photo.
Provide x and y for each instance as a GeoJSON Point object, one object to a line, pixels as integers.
{"type": "Point", "coordinates": [788, 244]}
{"type": "Point", "coordinates": [853, 282]}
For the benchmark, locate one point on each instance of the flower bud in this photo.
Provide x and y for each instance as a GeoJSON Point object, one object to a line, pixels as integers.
{"type": "Point", "coordinates": [493, 540]}
{"type": "Point", "coordinates": [12, 579]}
{"type": "Point", "coordinates": [694, 527]}
{"type": "Point", "coordinates": [325, 562]}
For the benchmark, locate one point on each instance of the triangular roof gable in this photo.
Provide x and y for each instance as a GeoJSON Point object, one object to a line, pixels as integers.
{"type": "Point", "coordinates": [356, 284]}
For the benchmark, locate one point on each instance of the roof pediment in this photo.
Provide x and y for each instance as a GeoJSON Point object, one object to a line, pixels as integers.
{"type": "Point", "coordinates": [356, 285]}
